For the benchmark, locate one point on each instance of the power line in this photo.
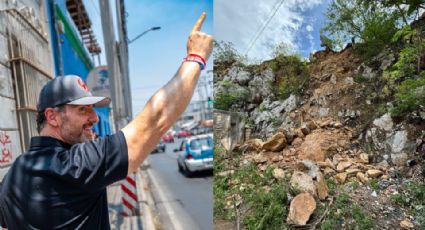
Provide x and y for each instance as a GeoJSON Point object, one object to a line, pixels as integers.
{"type": "Point", "coordinates": [259, 28]}
{"type": "Point", "coordinates": [277, 6]}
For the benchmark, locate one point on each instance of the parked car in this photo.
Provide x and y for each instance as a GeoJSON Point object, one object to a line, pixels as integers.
{"type": "Point", "coordinates": [168, 138]}
{"type": "Point", "coordinates": [183, 133]}
{"type": "Point", "coordinates": [196, 154]}
{"type": "Point", "coordinates": [160, 147]}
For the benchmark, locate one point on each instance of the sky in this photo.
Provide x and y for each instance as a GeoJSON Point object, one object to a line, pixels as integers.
{"type": "Point", "coordinates": [155, 57]}
{"type": "Point", "coordinates": [296, 23]}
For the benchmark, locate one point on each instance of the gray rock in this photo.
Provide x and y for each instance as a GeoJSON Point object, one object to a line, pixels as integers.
{"type": "Point", "coordinates": [303, 182]}
{"type": "Point", "coordinates": [313, 169]}
{"type": "Point", "coordinates": [243, 77]}
{"type": "Point", "coordinates": [398, 142]}
{"type": "Point", "coordinates": [333, 79]}
{"type": "Point", "coordinates": [349, 80]}
{"type": "Point", "coordinates": [290, 103]}
{"type": "Point", "coordinates": [385, 122]}
{"type": "Point", "coordinates": [399, 159]}
{"type": "Point", "coordinates": [323, 112]}
{"type": "Point", "coordinates": [386, 60]}
{"type": "Point", "coordinates": [367, 72]}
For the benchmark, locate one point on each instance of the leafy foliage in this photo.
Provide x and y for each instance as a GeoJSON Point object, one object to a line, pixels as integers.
{"type": "Point", "coordinates": [410, 95]}
{"type": "Point", "coordinates": [377, 33]}
{"type": "Point", "coordinates": [224, 100]}
{"type": "Point", "coordinates": [230, 96]}
{"type": "Point", "coordinates": [292, 75]}
{"type": "Point", "coordinates": [368, 23]}
{"type": "Point", "coordinates": [225, 54]}
{"type": "Point", "coordinates": [405, 8]}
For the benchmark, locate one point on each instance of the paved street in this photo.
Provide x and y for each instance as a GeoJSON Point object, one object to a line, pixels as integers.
{"type": "Point", "coordinates": [183, 203]}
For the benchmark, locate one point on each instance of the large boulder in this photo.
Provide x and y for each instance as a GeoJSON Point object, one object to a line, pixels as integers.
{"type": "Point", "coordinates": [276, 143]}
{"type": "Point", "coordinates": [320, 144]}
{"type": "Point", "coordinates": [301, 208]}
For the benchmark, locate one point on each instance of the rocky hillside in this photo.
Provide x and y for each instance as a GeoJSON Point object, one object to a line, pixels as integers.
{"type": "Point", "coordinates": [343, 139]}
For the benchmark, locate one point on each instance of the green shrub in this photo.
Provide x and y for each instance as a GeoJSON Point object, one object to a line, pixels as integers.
{"type": "Point", "coordinates": [360, 79]}
{"type": "Point", "coordinates": [224, 101]}
{"type": "Point", "coordinates": [377, 34]}
{"type": "Point", "coordinates": [231, 95]}
{"type": "Point", "coordinates": [409, 96]}
{"type": "Point", "coordinates": [225, 53]}
{"type": "Point", "coordinates": [344, 210]}
{"type": "Point", "coordinates": [373, 183]}
{"type": "Point", "coordinates": [292, 75]}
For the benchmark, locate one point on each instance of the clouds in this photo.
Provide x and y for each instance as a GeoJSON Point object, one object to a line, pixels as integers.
{"type": "Point", "coordinates": [238, 21]}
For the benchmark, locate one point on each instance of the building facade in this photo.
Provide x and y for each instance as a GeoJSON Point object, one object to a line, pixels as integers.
{"type": "Point", "coordinates": [74, 47]}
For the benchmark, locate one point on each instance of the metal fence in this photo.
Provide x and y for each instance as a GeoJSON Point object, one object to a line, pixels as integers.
{"type": "Point", "coordinates": [30, 64]}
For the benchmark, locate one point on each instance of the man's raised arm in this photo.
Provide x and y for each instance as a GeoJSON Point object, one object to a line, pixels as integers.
{"type": "Point", "coordinates": [168, 103]}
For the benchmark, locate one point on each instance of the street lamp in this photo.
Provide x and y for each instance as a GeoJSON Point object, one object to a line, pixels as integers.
{"type": "Point", "coordinates": [138, 36]}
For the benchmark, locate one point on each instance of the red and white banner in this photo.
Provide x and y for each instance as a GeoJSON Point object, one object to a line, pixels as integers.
{"type": "Point", "coordinates": [129, 195]}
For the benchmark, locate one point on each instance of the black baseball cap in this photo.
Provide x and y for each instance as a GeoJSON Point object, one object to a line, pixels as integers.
{"type": "Point", "coordinates": [69, 89]}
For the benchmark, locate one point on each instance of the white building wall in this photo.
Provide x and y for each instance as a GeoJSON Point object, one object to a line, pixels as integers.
{"type": "Point", "coordinates": [10, 135]}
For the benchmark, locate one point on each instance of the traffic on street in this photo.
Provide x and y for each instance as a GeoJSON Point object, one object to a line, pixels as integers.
{"type": "Point", "coordinates": [183, 202]}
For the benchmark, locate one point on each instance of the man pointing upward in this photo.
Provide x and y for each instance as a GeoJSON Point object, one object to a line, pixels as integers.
{"type": "Point", "coordinates": [60, 182]}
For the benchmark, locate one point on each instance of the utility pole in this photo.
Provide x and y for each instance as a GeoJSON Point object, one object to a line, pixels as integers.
{"type": "Point", "coordinates": [123, 49]}
{"type": "Point", "coordinates": [113, 65]}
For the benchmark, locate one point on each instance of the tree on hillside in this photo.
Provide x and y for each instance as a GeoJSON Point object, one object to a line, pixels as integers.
{"type": "Point", "coordinates": [407, 9]}
{"type": "Point", "coordinates": [368, 22]}
{"type": "Point", "coordinates": [225, 53]}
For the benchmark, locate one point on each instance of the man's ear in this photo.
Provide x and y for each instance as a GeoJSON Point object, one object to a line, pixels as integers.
{"type": "Point", "coordinates": [52, 117]}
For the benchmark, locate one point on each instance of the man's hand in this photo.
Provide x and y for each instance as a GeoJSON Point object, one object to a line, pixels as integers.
{"type": "Point", "coordinates": [168, 103]}
{"type": "Point", "coordinates": [200, 43]}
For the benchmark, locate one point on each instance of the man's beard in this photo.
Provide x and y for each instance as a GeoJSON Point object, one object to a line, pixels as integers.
{"type": "Point", "coordinates": [72, 134]}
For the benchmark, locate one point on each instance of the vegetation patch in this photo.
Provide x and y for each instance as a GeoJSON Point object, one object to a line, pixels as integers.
{"type": "Point", "coordinates": [258, 199]}
{"type": "Point", "coordinates": [413, 199]}
{"type": "Point", "coordinates": [409, 96]}
{"type": "Point", "coordinates": [292, 75]}
{"type": "Point", "coordinates": [344, 211]}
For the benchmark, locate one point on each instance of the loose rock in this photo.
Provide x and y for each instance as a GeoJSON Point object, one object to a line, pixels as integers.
{"type": "Point", "coordinates": [308, 166]}
{"type": "Point", "coordinates": [341, 177]}
{"type": "Point", "coordinates": [278, 173]}
{"type": "Point", "coordinates": [322, 187]}
{"type": "Point", "coordinates": [303, 182]}
{"type": "Point", "coordinates": [276, 143]}
{"type": "Point", "coordinates": [362, 178]}
{"type": "Point", "coordinates": [301, 208]}
{"type": "Point", "coordinates": [304, 129]}
{"type": "Point", "coordinates": [406, 224]}
{"type": "Point", "coordinates": [364, 158]}
{"type": "Point", "coordinates": [342, 166]}
{"type": "Point", "coordinates": [374, 173]}
{"type": "Point", "coordinates": [254, 144]}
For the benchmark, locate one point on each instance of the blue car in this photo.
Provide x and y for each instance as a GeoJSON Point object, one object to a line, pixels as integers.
{"type": "Point", "coordinates": [196, 154]}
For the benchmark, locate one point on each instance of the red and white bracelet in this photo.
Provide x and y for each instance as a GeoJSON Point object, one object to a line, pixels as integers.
{"type": "Point", "coordinates": [196, 58]}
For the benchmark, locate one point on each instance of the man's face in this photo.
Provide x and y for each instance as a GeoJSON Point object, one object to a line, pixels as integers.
{"type": "Point", "coordinates": [77, 123]}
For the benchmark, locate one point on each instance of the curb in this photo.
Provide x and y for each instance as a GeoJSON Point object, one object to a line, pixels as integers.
{"type": "Point", "coordinates": [146, 201]}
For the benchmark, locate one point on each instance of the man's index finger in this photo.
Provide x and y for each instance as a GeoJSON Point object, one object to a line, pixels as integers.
{"type": "Point", "coordinates": [198, 23]}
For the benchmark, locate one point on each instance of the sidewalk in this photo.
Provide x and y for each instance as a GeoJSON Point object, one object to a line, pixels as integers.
{"type": "Point", "coordinates": [146, 218]}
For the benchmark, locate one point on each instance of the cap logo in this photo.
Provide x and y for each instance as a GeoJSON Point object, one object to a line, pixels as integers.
{"type": "Point", "coordinates": [82, 85]}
